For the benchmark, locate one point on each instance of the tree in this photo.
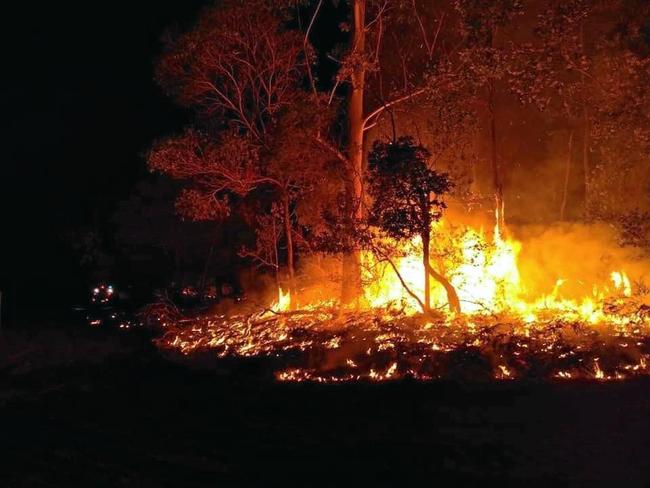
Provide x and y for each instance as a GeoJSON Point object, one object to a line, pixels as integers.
{"type": "Point", "coordinates": [242, 67]}
{"type": "Point", "coordinates": [238, 66]}
{"type": "Point", "coordinates": [392, 46]}
{"type": "Point", "coordinates": [146, 221]}
{"type": "Point", "coordinates": [553, 73]}
{"type": "Point", "coordinates": [242, 70]}
{"type": "Point", "coordinates": [407, 200]}
{"type": "Point", "coordinates": [620, 124]}
{"type": "Point", "coordinates": [584, 67]}
{"type": "Point", "coordinates": [224, 172]}
{"type": "Point", "coordinates": [486, 60]}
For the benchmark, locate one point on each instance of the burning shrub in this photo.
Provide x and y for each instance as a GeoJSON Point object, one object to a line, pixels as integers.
{"type": "Point", "coordinates": [407, 200]}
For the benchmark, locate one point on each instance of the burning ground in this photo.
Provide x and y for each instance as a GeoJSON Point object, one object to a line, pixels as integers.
{"type": "Point", "coordinates": [597, 327]}
{"type": "Point", "coordinates": [324, 346]}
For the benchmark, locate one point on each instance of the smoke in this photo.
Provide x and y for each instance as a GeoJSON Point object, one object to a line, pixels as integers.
{"type": "Point", "coordinates": [582, 255]}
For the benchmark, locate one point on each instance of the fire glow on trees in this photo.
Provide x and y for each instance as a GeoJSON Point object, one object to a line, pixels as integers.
{"type": "Point", "coordinates": [303, 135]}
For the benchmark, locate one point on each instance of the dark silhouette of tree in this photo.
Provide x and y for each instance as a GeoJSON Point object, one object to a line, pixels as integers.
{"type": "Point", "coordinates": [146, 224]}
{"type": "Point", "coordinates": [407, 200]}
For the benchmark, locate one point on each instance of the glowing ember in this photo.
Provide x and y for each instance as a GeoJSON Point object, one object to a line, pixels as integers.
{"type": "Point", "coordinates": [378, 347]}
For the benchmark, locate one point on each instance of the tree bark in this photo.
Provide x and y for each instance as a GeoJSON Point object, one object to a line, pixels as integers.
{"type": "Point", "coordinates": [276, 254]}
{"type": "Point", "coordinates": [585, 132]}
{"type": "Point", "coordinates": [585, 159]}
{"type": "Point", "coordinates": [567, 173]}
{"type": "Point", "coordinates": [494, 158]}
{"type": "Point", "coordinates": [452, 295]}
{"type": "Point", "coordinates": [351, 286]}
{"type": "Point", "coordinates": [426, 242]}
{"type": "Point", "coordinates": [289, 237]}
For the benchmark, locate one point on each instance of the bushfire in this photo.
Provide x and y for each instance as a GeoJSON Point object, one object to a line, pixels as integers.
{"type": "Point", "coordinates": [506, 329]}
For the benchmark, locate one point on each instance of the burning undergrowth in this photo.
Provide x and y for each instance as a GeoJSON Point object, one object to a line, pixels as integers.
{"type": "Point", "coordinates": [326, 346]}
{"type": "Point", "coordinates": [513, 325]}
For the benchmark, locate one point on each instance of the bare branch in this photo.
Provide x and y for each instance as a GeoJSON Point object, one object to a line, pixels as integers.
{"type": "Point", "coordinates": [312, 83]}
{"type": "Point", "coordinates": [387, 105]}
{"type": "Point", "coordinates": [331, 148]}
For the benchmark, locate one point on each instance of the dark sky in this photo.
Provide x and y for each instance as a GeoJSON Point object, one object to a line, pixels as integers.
{"type": "Point", "coordinates": [79, 108]}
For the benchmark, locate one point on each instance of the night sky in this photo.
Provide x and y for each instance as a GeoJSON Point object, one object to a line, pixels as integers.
{"type": "Point", "coordinates": [79, 109]}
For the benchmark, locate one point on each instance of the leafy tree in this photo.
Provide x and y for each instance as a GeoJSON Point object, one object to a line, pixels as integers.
{"type": "Point", "coordinates": [620, 124]}
{"type": "Point", "coordinates": [392, 56]}
{"type": "Point", "coordinates": [584, 66]}
{"type": "Point", "coordinates": [242, 70]}
{"type": "Point", "coordinates": [486, 59]}
{"type": "Point", "coordinates": [238, 66]}
{"type": "Point", "coordinates": [407, 200]}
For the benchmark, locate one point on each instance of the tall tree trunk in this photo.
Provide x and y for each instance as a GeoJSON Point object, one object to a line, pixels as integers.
{"type": "Point", "coordinates": [567, 173]}
{"type": "Point", "coordinates": [289, 237]}
{"type": "Point", "coordinates": [426, 242]}
{"type": "Point", "coordinates": [585, 160]}
{"type": "Point", "coordinates": [585, 132]}
{"type": "Point", "coordinates": [494, 157]}
{"type": "Point", "coordinates": [276, 254]}
{"type": "Point", "coordinates": [351, 287]}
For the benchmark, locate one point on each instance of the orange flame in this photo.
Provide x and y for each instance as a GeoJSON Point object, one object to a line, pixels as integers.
{"type": "Point", "coordinates": [485, 274]}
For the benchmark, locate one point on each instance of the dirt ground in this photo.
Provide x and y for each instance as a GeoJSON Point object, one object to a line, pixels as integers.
{"type": "Point", "coordinates": [94, 409]}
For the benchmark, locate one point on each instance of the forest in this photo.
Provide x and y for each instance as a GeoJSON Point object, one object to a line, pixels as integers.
{"type": "Point", "coordinates": [533, 110]}
{"type": "Point", "coordinates": [438, 161]}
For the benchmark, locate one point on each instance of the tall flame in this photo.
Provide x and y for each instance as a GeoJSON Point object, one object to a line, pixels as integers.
{"type": "Point", "coordinates": [282, 304]}
{"type": "Point", "coordinates": [485, 273]}
{"type": "Point", "coordinates": [562, 335]}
